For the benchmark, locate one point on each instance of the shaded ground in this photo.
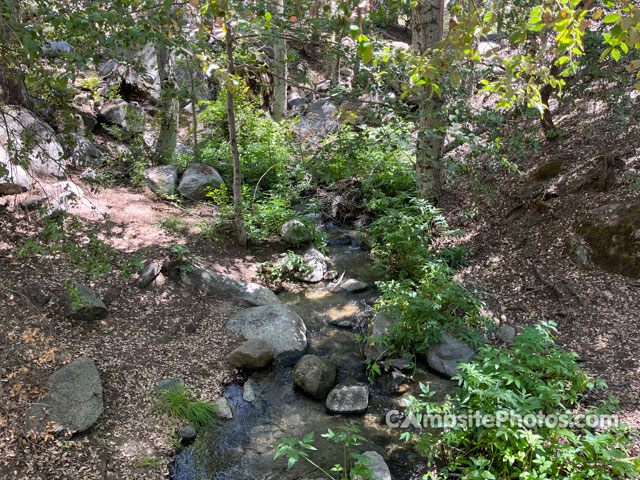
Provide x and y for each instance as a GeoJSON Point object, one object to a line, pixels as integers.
{"type": "Point", "coordinates": [166, 331]}
{"type": "Point", "coordinates": [518, 242]}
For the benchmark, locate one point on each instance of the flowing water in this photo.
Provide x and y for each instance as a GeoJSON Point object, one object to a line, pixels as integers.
{"type": "Point", "coordinates": [242, 448]}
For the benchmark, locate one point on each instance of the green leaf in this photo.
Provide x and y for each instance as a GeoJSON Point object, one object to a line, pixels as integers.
{"type": "Point", "coordinates": [615, 53]}
{"type": "Point", "coordinates": [267, 16]}
{"type": "Point", "coordinates": [611, 18]}
{"type": "Point", "coordinates": [367, 55]}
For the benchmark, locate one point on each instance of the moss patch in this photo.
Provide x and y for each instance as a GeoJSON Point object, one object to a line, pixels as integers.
{"type": "Point", "coordinates": [613, 234]}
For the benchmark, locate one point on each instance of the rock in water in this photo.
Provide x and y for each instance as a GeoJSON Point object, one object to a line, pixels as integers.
{"type": "Point", "coordinates": [348, 398]}
{"type": "Point", "coordinates": [378, 466]}
{"type": "Point", "coordinates": [254, 353]}
{"type": "Point", "coordinates": [197, 179]}
{"type": "Point", "coordinates": [82, 303]}
{"type": "Point", "coordinates": [378, 328]}
{"type": "Point", "coordinates": [214, 283]}
{"type": "Point", "coordinates": [223, 410]}
{"type": "Point", "coordinates": [318, 266]}
{"type": "Point", "coordinates": [353, 286]}
{"type": "Point", "coordinates": [162, 180]}
{"type": "Point", "coordinates": [74, 401]}
{"type": "Point", "coordinates": [276, 324]}
{"type": "Point", "coordinates": [444, 357]}
{"type": "Point", "coordinates": [315, 375]}
{"type": "Point", "coordinates": [294, 232]}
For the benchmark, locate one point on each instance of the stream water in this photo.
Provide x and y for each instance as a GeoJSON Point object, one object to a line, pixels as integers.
{"type": "Point", "coordinates": [242, 448]}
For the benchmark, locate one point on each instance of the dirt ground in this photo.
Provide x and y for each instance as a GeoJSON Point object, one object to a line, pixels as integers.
{"type": "Point", "coordinates": [165, 331]}
{"type": "Point", "coordinates": [518, 244]}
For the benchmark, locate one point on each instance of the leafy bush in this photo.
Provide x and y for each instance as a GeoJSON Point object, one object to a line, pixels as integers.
{"type": "Point", "coordinates": [265, 147]}
{"type": "Point", "coordinates": [285, 269]}
{"type": "Point", "coordinates": [533, 376]}
{"type": "Point", "coordinates": [348, 436]}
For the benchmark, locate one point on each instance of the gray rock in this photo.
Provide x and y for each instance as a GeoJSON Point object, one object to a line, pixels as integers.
{"type": "Point", "coordinates": [187, 434]}
{"type": "Point", "coordinates": [318, 119]}
{"type": "Point", "coordinates": [580, 253]}
{"type": "Point", "coordinates": [294, 232]}
{"type": "Point", "coordinates": [82, 303]}
{"type": "Point", "coordinates": [89, 176]}
{"type": "Point", "coordinates": [13, 178]}
{"type": "Point", "coordinates": [249, 393]}
{"type": "Point", "coordinates": [74, 401]}
{"type": "Point", "coordinates": [32, 203]}
{"type": "Point", "coordinates": [197, 179]}
{"type": "Point", "coordinates": [318, 263]}
{"type": "Point", "coordinates": [68, 195]}
{"type": "Point", "coordinates": [353, 286]}
{"type": "Point", "coordinates": [51, 47]}
{"type": "Point", "coordinates": [330, 275]}
{"type": "Point", "coordinates": [379, 327]}
{"type": "Point", "coordinates": [254, 353]}
{"type": "Point", "coordinates": [379, 467]}
{"type": "Point", "coordinates": [400, 364]}
{"type": "Point", "coordinates": [223, 409]}
{"type": "Point", "coordinates": [315, 375]}
{"type": "Point", "coordinates": [81, 151]}
{"type": "Point", "coordinates": [348, 398]}
{"type": "Point", "coordinates": [214, 283]}
{"type": "Point", "coordinates": [276, 324]}
{"type": "Point", "coordinates": [149, 274]}
{"type": "Point", "coordinates": [43, 151]}
{"type": "Point", "coordinates": [506, 334]}
{"type": "Point", "coordinates": [393, 381]}
{"type": "Point", "coordinates": [68, 187]}
{"type": "Point", "coordinates": [36, 293]}
{"type": "Point", "coordinates": [128, 116]}
{"type": "Point", "coordinates": [162, 180]}
{"type": "Point", "coordinates": [170, 384]}
{"type": "Point", "coordinates": [444, 357]}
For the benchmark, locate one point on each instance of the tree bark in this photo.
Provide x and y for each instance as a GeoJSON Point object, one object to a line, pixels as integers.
{"type": "Point", "coordinates": [546, 121]}
{"type": "Point", "coordinates": [280, 72]}
{"type": "Point", "coordinates": [426, 28]}
{"type": "Point", "coordinates": [233, 142]}
{"type": "Point", "coordinates": [168, 136]}
{"type": "Point", "coordinates": [14, 90]}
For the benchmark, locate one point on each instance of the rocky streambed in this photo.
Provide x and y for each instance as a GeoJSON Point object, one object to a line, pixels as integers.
{"type": "Point", "coordinates": [269, 405]}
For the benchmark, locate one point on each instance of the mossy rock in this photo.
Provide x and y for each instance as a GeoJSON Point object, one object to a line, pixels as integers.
{"type": "Point", "coordinates": [547, 171]}
{"type": "Point", "coordinates": [612, 233]}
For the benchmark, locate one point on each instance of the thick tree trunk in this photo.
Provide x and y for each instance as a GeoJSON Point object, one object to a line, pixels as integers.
{"type": "Point", "coordinates": [280, 72]}
{"type": "Point", "coordinates": [168, 136]}
{"type": "Point", "coordinates": [233, 142]}
{"type": "Point", "coordinates": [14, 90]}
{"type": "Point", "coordinates": [426, 28]}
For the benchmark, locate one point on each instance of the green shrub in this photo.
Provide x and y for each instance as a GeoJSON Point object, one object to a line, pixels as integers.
{"type": "Point", "coordinates": [265, 147]}
{"type": "Point", "coordinates": [285, 269]}
{"type": "Point", "coordinates": [182, 403]}
{"type": "Point", "coordinates": [532, 376]}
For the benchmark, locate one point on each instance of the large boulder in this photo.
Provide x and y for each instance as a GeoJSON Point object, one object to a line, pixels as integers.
{"type": "Point", "coordinates": [254, 353]}
{"type": "Point", "coordinates": [318, 119]}
{"type": "Point", "coordinates": [349, 397]}
{"type": "Point", "coordinates": [33, 140]}
{"type": "Point", "coordinates": [81, 151]}
{"type": "Point", "coordinates": [13, 178]}
{"type": "Point", "coordinates": [276, 324]}
{"type": "Point", "coordinates": [128, 116]}
{"type": "Point", "coordinates": [82, 303]}
{"type": "Point", "coordinates": [315, 375]}
{"type": "Point", "coordinates": [445, 356]}
{"type": "Point", "coordinates": [217, 284]}
{"type": "Point", "coordinates": [197, 179]}
{"type": "Point", "coordinates": [162, 180]}
{"type": "Point", "coordinates": [318, 266]}
{"type": "Point", "coordinates": [612, 235]}
{"type": "Point", "coordinates": [73, 403]}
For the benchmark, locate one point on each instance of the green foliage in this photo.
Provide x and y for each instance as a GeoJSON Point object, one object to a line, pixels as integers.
{"type": "Point", "coordinates": [532, 376]}
{"type": "Point", "coordinates": [132, 265]}
{"type": "Point", "coordinates": [381, 156]}
{"type": "Point", "coordinates": [182, 403]}
{"type": "Point", "coordinates": [348, 436]}
{"type": "Point", "coordinates": [265, 147]}
{"type": "Point", "coordinates": [153, 462]}
{"type": "Point", "coordinates": [285, 269]}
{"type": "Point", "coordinates": [174, 224]}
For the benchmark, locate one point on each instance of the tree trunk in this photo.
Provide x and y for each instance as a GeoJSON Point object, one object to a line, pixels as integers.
{"type": "Point", "coordinates": [233, 142]}
{"type": "Point", "coordinates": [426, 28]}
{"type": "Point", "coordinates": [546, 120]}
{"type": "Point", "coordinates": [14, 90]}
{"type": "Point", "coordinates": [280, 72]}
{"type": "Point", "coordinates": [194, 111]}
{"type": "Point", "coordinates": [168, 136]}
